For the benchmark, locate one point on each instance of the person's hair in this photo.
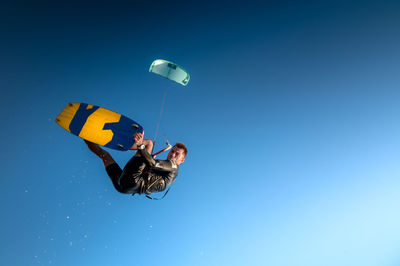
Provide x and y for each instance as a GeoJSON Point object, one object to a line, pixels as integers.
{"type": "Point", "coordinates": [182, 146]}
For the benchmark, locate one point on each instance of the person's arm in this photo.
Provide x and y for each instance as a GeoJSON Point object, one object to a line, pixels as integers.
{"type": "Point", "coordinates": [146, 155]}
{"type": "Point", "coordinates": [165, 166]}
{"type": "Point", "coordinates": [139, 140]}
{"type": "Point", "coordinates": [159, 165]}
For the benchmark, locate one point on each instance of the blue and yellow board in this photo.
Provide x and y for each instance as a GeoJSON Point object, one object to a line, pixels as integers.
{"type": "Point", "coordinates": [99, 125]}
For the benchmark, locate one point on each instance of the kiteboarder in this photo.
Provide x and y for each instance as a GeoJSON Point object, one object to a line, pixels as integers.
{"type": "Point", "coordinates": [100, 126]}
{"type": "Point", "coordinates": [142, 174]}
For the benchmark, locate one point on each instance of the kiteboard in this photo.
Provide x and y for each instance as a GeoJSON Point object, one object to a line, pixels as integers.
{"type": "Point", "coordinates": [99, 125]}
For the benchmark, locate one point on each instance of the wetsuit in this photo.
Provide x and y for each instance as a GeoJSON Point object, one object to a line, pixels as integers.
{"type": "Point", "coordinates": [143, 174]}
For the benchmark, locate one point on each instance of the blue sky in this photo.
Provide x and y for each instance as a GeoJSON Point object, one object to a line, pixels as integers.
{"type": "Point", "coordinates": [290, 117]}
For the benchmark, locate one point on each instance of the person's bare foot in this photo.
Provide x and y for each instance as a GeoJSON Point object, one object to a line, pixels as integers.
{"type": "Point", "coordinates": [102, 154]}
{"type": "Point", "coordinates": [95, 148]}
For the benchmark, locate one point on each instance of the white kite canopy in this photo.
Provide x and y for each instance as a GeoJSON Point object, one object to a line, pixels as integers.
{"type": "Point", "coordinates": [170, 71]}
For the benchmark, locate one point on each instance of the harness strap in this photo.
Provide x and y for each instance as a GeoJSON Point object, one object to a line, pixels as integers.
{"type": "Point", "coordinates": [147, 196]}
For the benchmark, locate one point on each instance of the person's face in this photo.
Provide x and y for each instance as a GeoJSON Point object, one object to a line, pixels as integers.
{"type": "Point", "coordinates": [177, 155]}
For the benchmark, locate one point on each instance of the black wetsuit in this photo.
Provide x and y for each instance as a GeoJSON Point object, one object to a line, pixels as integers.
{"type": "Point", "coordinates": [143, 174]}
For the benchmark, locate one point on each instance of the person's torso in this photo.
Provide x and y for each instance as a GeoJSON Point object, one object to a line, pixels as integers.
{"type": "Point", "coordinates": [157, 178]}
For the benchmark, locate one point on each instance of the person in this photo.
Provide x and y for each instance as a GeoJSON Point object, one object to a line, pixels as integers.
{"type": "Point", "coordinates": [142, 174]}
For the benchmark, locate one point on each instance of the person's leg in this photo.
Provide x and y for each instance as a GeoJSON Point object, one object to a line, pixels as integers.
{"type": "Point", "coordinates": [131, 180]}
{"type": "Point", "coordinates": [114, 172]}
{"type": "Point", "coordinates": [112, 168]}
{"type": "Point", "coordinates": [102, 154]}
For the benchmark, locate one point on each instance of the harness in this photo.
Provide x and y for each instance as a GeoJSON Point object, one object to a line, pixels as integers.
{"type": "Point", "coordinates": [143, 187]}
{"type": "Point", "coordinates": [166, 192]}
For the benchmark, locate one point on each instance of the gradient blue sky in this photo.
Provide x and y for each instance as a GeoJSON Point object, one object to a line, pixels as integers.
{"type": "Point", "coordinates": [291, 120]}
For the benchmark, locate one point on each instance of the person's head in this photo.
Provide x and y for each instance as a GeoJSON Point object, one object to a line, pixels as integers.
{"type": "Point", "coordinates": [177, 153]}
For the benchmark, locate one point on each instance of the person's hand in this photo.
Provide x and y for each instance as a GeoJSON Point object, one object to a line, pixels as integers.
{"type": "Point", "coordinates": [139, 138]}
